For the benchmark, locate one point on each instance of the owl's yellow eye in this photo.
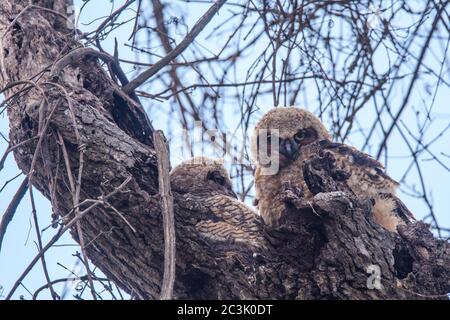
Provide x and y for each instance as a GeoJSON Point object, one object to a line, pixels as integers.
{"type": "Point", "coordinates": [299, 136]}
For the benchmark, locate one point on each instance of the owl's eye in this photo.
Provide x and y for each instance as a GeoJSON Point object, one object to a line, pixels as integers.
{"type": "Point", "coordinates": [216, 177]}
{"type": "Point", "coordinates": [300, 135]}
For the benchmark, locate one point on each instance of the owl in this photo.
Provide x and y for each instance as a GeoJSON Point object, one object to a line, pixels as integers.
{"type": "Point", "coordinates": [227, 221]}
{"type": "Point", "coordinates": [307, 162]}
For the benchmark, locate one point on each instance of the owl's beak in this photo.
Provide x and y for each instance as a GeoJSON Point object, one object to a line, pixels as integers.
{"type": "Point", "coordinates": [289, 148]}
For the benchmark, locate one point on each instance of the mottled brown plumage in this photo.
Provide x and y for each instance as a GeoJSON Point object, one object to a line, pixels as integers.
{"type": "Point", "coordinates": [311, 163]}
{"type": "Point", "coordinates": [202, 175]}
{"type": "Point", "coordinates": [228, 221]}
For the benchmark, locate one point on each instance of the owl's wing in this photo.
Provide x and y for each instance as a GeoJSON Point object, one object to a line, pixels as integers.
{"type": "Point", "coordinates": [329, 166]}
{"type": "Point", "coordinates": [230, 222]}
{"type": "Point", "coordinates": [372, 168]}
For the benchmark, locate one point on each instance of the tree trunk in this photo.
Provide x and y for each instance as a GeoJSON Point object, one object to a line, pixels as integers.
{"type": "Point", "coordinates": [349, 256]}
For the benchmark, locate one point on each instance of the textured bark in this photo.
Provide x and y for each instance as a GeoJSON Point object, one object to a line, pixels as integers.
{"type": "Point", "coordinates": [322, 251]}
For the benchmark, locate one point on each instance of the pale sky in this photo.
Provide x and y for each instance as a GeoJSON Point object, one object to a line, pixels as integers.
{"type": "Point", "coordinates": [19, 244]}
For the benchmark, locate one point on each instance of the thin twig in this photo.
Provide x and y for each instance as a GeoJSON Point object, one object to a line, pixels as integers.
{"type": "Point", "coordinates": [199, 26]}
{"type": "Point", "coordinates": [39, 240]}
{"type": "Point", "coordinates": [411, 84]}
{"type": "Point", "coordinates": [75, 190]}
{"type": "Point", "coordinates": [79, 230]}
{"type": "Point", "coordinates": [12, 148]}
{"type": "Point", "coordinates": [61, 231]}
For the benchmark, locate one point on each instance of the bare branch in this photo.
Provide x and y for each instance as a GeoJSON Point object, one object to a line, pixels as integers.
{"type": "Point", "coordinates": [199, 26]}
{"type": "Point", "coordinates": [11, 210]}
{"type": "Point", "coordinates": [168, 216]}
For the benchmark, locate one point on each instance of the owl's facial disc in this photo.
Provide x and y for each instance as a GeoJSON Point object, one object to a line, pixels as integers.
{"type": "Point", "coordinates": [290, 147]}
{"type": "Point", "coordinates": [221, 182]}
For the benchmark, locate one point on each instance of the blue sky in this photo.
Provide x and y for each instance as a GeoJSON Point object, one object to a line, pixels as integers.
{"type": "Point", "coordinates": [19, 245]}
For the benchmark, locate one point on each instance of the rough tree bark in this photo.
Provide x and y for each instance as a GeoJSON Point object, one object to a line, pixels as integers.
{"type": "Point", "coordinates": [332, 253]}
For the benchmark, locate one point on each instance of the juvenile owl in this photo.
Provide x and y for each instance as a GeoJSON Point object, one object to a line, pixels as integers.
{"type": "Point", "coordinates": [227, 221]}
{"type": "Point", "coordinates": [307, 162]}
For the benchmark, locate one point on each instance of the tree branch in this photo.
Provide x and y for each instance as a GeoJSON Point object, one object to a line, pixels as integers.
{"type": "Point", "coordinates": [199, 26]}
{"type": "Point", "coordinates": [168, 215]}
{"type": "Point", "coordinates": [11, 210]}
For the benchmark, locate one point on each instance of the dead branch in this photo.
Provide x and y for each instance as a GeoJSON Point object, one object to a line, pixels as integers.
{"type": "Point", "coordinates": [168, 215]}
